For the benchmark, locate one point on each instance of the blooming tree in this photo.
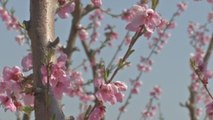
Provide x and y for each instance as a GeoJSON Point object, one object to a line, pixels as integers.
{"type": "Point", "coordinates": [48, 73]}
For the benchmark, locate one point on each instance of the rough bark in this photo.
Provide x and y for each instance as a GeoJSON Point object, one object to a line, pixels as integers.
{"type": "Point", "coordinates": [41, 31]}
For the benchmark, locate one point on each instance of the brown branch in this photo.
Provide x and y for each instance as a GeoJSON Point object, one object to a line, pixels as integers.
{"type": "Point", "coordinates": [78, 14]}
{"type": "Point", "coordinates": [26, 117]}
{"type": "Point", "coordinates": [109, 66]}
{"type": "Point", "coordinates": [128, 53]}
{"type": "Point", "coordinates": [191, 104]}
{"type": "Point", "coordinates": [41, 31]}
{"type": "Point", "coordinates": [88, 9]}
{"type": "Point", "coordinates": [73, 32]}
{"type": "Point", "coordinates": [91, 56]}
{"type": "Point", "coordinates": [208, 52]}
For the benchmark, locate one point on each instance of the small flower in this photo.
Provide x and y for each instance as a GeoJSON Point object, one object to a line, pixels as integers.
{"type": "Point", "coordinates": [98, 113]}
{"type": "Point", "coordinates": [66, 10]}
{"type": "Point", "coordinates": [182, 6]}
{"type": "Point", "coordinates": [209, 111]}
{"type": "Point", "coordinates": [122, 109]}
{"type": "Point", "coordinates": [210, 16]}
{"type": "Point", "coordinates": [144, 17]}
{"type": "Point", "coordinates": [136, 86]}
{"type": "Point", "coordinates": [20, 39]}
{"type": "Point", "coordinates": [27, 62]}
{"type": "Point", "coordinates": [13, 73]}
{"type": "Point", "coordinates": [156, 92]}
{"type": "Point", "coordinates": [83, 34]}
{"type": "Point", "coordinates": [111, 92]}
{"type": "Point", "coordinates": [8, 103]}
{"type": "Point", "coordinates": [97, 3]}
{"type": "Point", "coordinates": [210, 1]}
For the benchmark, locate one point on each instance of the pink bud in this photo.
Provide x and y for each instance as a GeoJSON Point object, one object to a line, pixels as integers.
{"type": "Point", "coordinates": [97, 3]}
{"type": "Point", "coordinates": [66, 10]}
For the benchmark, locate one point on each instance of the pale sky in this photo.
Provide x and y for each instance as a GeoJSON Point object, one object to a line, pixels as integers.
{"type": "Point", "coordinates": [170, 69]}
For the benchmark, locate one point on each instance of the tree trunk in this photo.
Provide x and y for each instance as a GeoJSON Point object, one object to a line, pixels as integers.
{"type": "Point", "coordinates": [41, 30]}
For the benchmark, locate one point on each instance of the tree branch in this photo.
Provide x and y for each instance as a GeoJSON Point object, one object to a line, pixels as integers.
{"type": "Point", "coordinates": [208, 52]}
{"type": "Point", "coordinates": [73, 32]}
{"type": "Point", "coordinates": [41, 31]}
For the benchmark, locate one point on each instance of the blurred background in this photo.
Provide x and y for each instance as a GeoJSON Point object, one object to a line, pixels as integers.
{"type": "Point", "coordinates": [171, 70]}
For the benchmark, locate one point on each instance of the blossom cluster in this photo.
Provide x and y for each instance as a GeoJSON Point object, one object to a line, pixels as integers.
{"type": "Point", "coordinates": [64, 82]}
{"type": "Point", "coordinates": [14, 89]}
{"type": "Point", "coordinates": [110, 92]}
{"type": "Point", "coordinates": [199, 39]}
{"type": "Point", "coordinates": [142, 17]}
{"type": "Point", "coordinates": [10, 21]}
{"type": "Point", "coordinates": [66, 8]}
{"type": "Point", "coordinates": [150, 110]}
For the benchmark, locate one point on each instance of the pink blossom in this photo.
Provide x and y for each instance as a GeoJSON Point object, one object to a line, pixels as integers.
{"type": "Point", "coordinates": [97, 3]}
{"type": "Point", "coordinates": [113, 36]}
{"type": "Point", "coordinates": [195, 86]}
{"type": "Point", "coordinates": [60, 87]}
{"type": "Point", "coordinates": [27, 62]}
{"type": "Point", "coordinates": [122, 109]}
{"type": "Point", "coordinates": [77, 78]}
{"type": "Point", "coordinates": [209, 111]}
{"type": "Point", "coordinates": [76, 82]}
{"type": "Point", "coordinates": [210, 16]}
{"type": "Point", "coordinates": [20, 39]}
{"type": "Point", "coordinates": [5, 15]}
{"type": "Point", "coordinates": [3, 86]}
{"type": "Point", "coordinates": [182, 6]}
{"type": "Point", "coordinates": [85, 97]}
{"type": "Point", "coordinates": [106, 94]}
{"type": "Point", "coordinates": [7, 103]}
{"type": "Point", "coordinates": [60, 80]}
{"type": "Point", "coordinates": [98, 113]}
{"type": "Point", "coordinates": [149, 113]}
{"type": "Point", "coordinates": [98, 82]}
{"type": "Point", "coordinates": [145, 65]}
{"type": "Point", "coordinates": [83, 34]}
{"type": "Point", "coordinates": [62, 58]}
{"type": "Point", "coordinates": [156, 92]}
{"type": "Point", "coordinates": [127, 39]}
{"type": "Point", "coordinates": [10, 21]}
{"type": "Point", "coordinates": [191, 28]}
{"type": "Point", "coordinates": [198, 113]}
{"type": "Point", "coordinates": [172, 25]}
{"type": "Point", "coordinates": [127, 14]}
{"type": "Point", "coordinates": [13, 24]}
{"type": "Point", "coordinates": [198, 55]}
{"type": "Point", "coordinates": [97, 15]}
{"type": "Point", "coordinates": [163, 24]}
{"type": "Point", "coordinates": [66, 10]}
{"type": "Point", "coordinates": [13, 73]}
{"type": "Point", "coordinates": [147, 17]}
{"type": "Point", "coordinates": [111, 92]}
{"type": "Point", "coordinates": [120, 85]}
{"type": "Point", "coordinates": [136, 86]}
{"type": "Point", "coordinates": [94, 36]}
{"type": "Point", "coordinates": [210, 1]}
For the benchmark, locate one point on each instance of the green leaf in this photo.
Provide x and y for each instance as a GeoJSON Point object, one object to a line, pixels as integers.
{"type": "Point", "coordinates": [154, 4]}
{"type": "Point", "coordinates": [53, 117]}
{"type": "Point", "coordinates": [27, 109]}
{"type": "Point", "coordinates": [22, 25]}
{"type": "Point", "coordinates": [130, 52]}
